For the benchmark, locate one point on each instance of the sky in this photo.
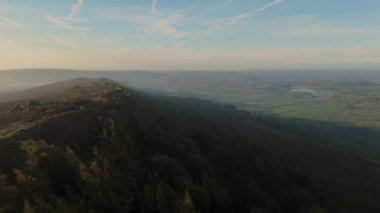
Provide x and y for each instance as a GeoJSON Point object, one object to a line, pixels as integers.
{"type": "Point", "coordinates": [190, 34]}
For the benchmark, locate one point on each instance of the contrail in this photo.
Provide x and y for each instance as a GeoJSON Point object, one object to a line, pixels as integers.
{"type": "Point", "coordinates": [275, 2]}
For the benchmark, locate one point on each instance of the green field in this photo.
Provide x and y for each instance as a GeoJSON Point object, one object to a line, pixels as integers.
{"type": "Point", "coordinates": [351, 100]}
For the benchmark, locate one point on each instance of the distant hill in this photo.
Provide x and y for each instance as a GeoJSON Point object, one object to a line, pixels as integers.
{"type": "Point", "coordinates": [63, 89]}
{"type": "Point", "coordinates": [92, 145]}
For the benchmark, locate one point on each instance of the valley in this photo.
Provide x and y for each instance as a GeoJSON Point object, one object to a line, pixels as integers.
{"type": "Point", "coordinates": [348, 113]}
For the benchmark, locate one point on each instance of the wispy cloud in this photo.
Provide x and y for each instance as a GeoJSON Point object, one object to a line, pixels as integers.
{"type": "Point", "coordinates": [154, 7]}
{"type": "Point", "coordinates": [11, 22]}
{"type": "Point", "coordinates": [219, 6]}
{"type": "Point", "coordinates": [220, 24]}
{"type": "Point", "coordinates": [265, 7]}
{"type": "Point", "coordinates": [166, 25]}
{"type": "Point", "coordinates": [75, 8]}
{"type": "Point", "coordinates": [152, 22]}
{"type": "Point", "coordinates": [159, 25]}
{"type": "Point", "coordinates": [63, 22]}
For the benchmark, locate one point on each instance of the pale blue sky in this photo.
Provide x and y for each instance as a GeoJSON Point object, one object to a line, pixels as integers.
{"type": "Point", "coordinates": [184, 34]}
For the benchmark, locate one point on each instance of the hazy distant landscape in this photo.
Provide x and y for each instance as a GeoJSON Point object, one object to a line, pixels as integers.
{"type": "Point", "coordinates": [349, 97]}
{"type": "Point", "coordinates": [348, 112]}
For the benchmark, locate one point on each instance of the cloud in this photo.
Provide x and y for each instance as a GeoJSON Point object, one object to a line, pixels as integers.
{"type": "Point", "coordinates": [154, 7]}
{"type": "Point", "coordinates": [156, 23]}
{"type": "Point", "coordinates": [233, 19]}
{"type": "Point", "coordinates": [219, 6]}
{"type": "Point", "coordinates": [11, 22]}
{"type": "Point", "coordinates": [75, 8]}
{"type": "Point", "coordinates": [265, 7]}
{"type": "Point", "coordinates": [222, 23]}
{"type": "Point", "coordinates": [164, 26]}
{"type": "Point", "coordinates": [160, 24]}
{"type": "Point", "coordinates": [152, 23]}
{"type": "Point", "coordinates": [219, 25]}
{"type": "Point", "coordinates": [62, 22]}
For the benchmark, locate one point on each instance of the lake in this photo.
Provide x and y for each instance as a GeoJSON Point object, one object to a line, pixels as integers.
{"type": "Point", "coordinates": [317, 94]}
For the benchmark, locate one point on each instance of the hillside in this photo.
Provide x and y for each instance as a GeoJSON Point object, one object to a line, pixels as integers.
{"type": "Point", "coordinates": [94, 146]}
